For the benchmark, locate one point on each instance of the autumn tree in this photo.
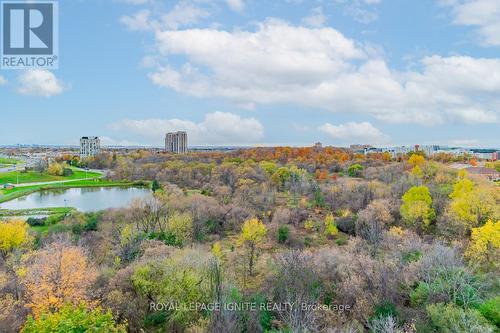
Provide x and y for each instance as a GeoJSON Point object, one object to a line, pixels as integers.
{"type": "Point", "coordinates": [372, 222]}
{"type": "Point", "coordinates": [180, 226]}
{"type": "Point", "coordinates": [56, 275]}
{"type": "Point", "coordinates": [417, 208]}
{"type": "Point", "coordinates": [416, 160]}
{"type": "Point", "coordinates": [331, 229]}
{"type": "Point", "coordinates": [472, 205]}
{"type": "Point", "coordinates": [484, 246]}
{"type": "Point", "coordinates": [55, 169]}
{"type": "Point", "coordinates": [253, 233]}
{"type": "Point", "coordinates": [13, 234]}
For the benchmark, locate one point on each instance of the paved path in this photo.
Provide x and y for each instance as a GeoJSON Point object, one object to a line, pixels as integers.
{"type": "Point", "coordinates": [53, 182]}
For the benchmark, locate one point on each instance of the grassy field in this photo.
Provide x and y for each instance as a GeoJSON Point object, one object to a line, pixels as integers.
{"type": "Point", "coordinates": [35, 177]}
{"type": "Point", "coordinates": [5, 160]}
{"type": "Point", "coordinates": [36, 211]}
{"type": "Point", "coordinates": [10, 194]}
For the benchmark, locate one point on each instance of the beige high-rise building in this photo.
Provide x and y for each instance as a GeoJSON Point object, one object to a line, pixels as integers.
{"type": "Point", "coordinates": [89, 146]}
{"type": "Point", "coordinates": [176, 142]}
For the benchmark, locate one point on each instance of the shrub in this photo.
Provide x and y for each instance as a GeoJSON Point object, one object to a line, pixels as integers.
{"type": "Point", "coordinates": [449, 318]}
{"type": "Point", "coordinates": [355, 170]}
{"type": "Point", "coordinates": [283, 234]}
{"type": "Point", "coordinates": [491, 311]}
{"type": "Point", "coordinates": [74, 320]}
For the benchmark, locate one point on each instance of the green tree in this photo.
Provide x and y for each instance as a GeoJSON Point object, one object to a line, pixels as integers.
{"type": "Point", "coordinates": [416, 209]}
{"type": "Point", "coordinates": [283, 233]}
{"type": "Point", "coordinates": [355, 170]}
{"type": "Point", "coordinates": [181, 279]}
{"type": "Point", "coordinates": [71, 319]}
{"type": "Point", "coordinates": [449, 318]}
{"type": "Point", "coordinates": [155, 185]}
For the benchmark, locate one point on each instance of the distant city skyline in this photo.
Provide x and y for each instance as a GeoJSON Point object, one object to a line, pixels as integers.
{"type": "Point", "coordinates": [250, 73]}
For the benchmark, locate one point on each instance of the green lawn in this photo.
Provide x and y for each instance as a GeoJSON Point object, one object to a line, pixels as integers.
{"type": "Point", "coordinates": [35, 177]}
{"type": "Point", "coordinates": [5, 160]}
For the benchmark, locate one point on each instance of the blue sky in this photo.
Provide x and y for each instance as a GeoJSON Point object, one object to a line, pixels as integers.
{"type": "Point", "coordinates": [253, 72]}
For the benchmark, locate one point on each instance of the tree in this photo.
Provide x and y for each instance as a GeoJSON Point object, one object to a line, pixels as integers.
{"type": "Point", "coordinates": [471, 205]}
{"type": "Point", "coordinates": [417, 207]}
{"type": "Point", "coordinates": [181, 279]}
{"type": "Point", "coordinates": [181, 226]}
{"type": "Point", "coordinates": [355, 170]}
{"type": "Point", "coordinates": [57, 275]}
{"type": "Point", "coordinates": [253, 233]}
{"type": "Point", "coordinates": [13, 234]}
{"type": "Point", "coordinates": [283, 234]}
{"type": "Point", "coordinates": [416, 160]}
{"type": "Point", "coordinates": [155, 185]}
{"type": "Point", "coordinates": [484, 246]}
{"type": "Point", "coordinates": [372, 222]}
{"type": "Point", "coordinates": [55, 169]}
{"type": "Point", "coordinates": [330, 226]}
{"type": "Point", "coordinates": [449, 318]}
{"type": "Point", "coordinates": [71, 319]}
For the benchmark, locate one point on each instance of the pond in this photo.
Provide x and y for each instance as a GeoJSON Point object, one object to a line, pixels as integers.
{"type": "Point", "coordinates": [89, 199]}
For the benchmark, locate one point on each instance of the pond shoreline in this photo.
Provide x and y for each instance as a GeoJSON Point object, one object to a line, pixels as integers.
{"type": "Point", "coordinates": [24, 191]}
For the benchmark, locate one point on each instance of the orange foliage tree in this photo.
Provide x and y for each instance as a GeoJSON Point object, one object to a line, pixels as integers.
{"type": "Point", "coordinates": [57, 275]}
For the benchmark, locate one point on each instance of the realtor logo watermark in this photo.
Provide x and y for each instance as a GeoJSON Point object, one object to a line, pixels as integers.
{"type": "Point", "coordinates": [29, 34]}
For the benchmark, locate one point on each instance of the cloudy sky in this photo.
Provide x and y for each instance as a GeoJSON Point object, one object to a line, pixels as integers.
{"type": "Point", "coordinates": [258, 72]}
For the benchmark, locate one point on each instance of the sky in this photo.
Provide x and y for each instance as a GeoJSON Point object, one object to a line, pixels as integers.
{"type": "Point", "coordinates": [260, 72]}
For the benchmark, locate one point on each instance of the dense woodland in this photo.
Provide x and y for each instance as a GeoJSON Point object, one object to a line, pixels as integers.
{"type": "Point", "coordinates": [321, 239]}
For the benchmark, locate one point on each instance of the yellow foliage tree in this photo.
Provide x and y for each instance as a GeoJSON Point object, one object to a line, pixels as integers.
{"type": "Point", "coordinates": [472, 205]}
{"type": "Point", "coordinates": [484, 246]}
{"type": "Point", "coordinates": [417, 208]}
{"type": "Point", "coordinates": [252, 234]}
{"type": "Point", "coordinates": [416, 160]}
{"type": "Point", "coordinates": [57, 275]}
{"type": "Point", "coordinates": [13, 234]}
{"type": "Point", "coordinates": [55, 169]}
{"type": "Point", "coordinates": [417, 172]}
{"type": "Point", "coordinates": [217, 251]}
{"type": "Point", "coordinates": [330, 226]}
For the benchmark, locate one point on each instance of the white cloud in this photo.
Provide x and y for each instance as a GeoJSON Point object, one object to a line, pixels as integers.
{"type": "Point", "coordinates": [216, 128]}
{"type": "Point", "coordinates": [3, 81]}
{"type": "Point", "coordinates": [360, 10]}
{"type": "Point", "coordinates": [316, 18]}
{"type": "Point", "coordinates": [107, 141]}
{"type": "Point", "coordinates": [483, 14]}
{"type": "Point", "coordinates": [353, 132]}
{"type": "Point", "coordinates": [319, 67]}
{"type": "Point", "coordinates": [184, 13]}
{"type": "Point", "coordinates": [40, 82]}
{"type": "Point", "coordinates": [139, 21]}
{"type": "Point", "coordinates": [236, 5]}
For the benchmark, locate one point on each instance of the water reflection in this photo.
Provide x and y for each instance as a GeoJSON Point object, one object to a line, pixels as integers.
{"type": "Point", "coordinates": [83, 199]}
